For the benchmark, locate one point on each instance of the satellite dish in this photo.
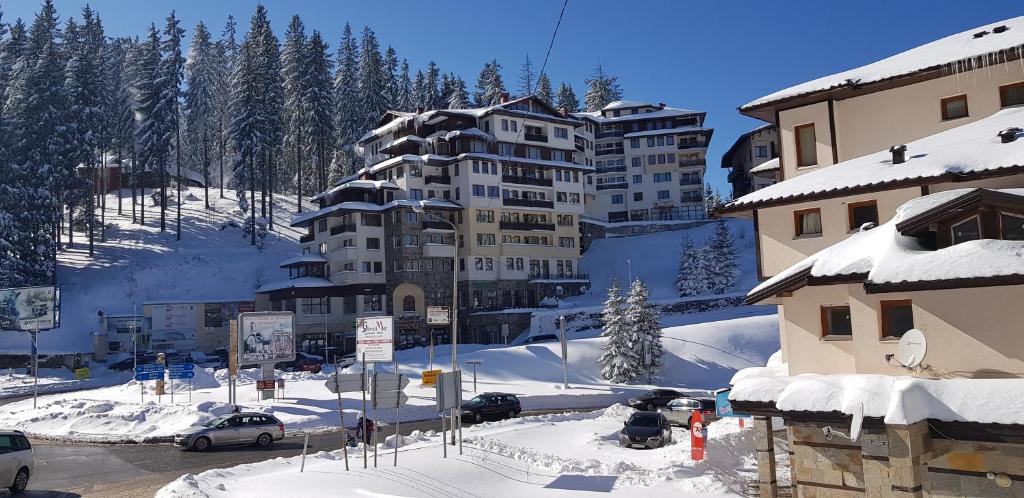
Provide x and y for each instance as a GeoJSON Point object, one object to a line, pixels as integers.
{"type": "Point", "coordinates": [912, 348]}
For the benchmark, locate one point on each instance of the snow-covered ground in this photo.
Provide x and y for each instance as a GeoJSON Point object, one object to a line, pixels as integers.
{"type": "Point", "coordinates": [14, 382]}
{"type": "Point", "coordinates": [547, 455]}
{"type": "Point", "coordinates": [139, 263]}
{"type": "Point", "coordinates": [703, 351]}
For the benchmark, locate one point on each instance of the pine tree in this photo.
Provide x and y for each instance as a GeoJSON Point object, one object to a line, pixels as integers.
{"type": "Point", "coordinates": [720, 260]}
{"type": "Point", "coordinates": [125, 126]}
{"type": "Point", "coordinates": [543, 90]}
{"type": "Point", "coordinates": [393, 90]}
{"type": "Point", "coordinates": [691, 279]}
{"type": "Point", "coordinates": [567, 98]}
{"type": "Point", "coordinates": [712, 200]}
{"type": "Point", "coordinates": [146, 92]}
{"type": "Point", "coordinates": [620, 361]}
{"type": "Point", "coordinates": [432, 91]}
{"type": "Point", "coordinates": [318, 104]}
{"type": "Point", "coordinates": [645, 327]}
{"type": "Point", "coordinates": [457, 97]}
{"type": "Point", "coordinates": [226, 51]}
{"type": "Point", "coordinates": [526, 77]}
{"type": "Point", "coordinates": [405, 89]}
{"type": "Point", "coordinates": [115, 101]}
{"type": "Point", "coordinates": [372, 82]}
{"type": "Point", "coordinates": [348, 115]}
{"type": "Point", "coordinates": [245, 128]}
{"type": "Point", "coordinates": [420, 99]}
{"type": "Point", "coordinates": [167, 111]}
{"type": "Point", "coordinates": [602, 89]}
{"type": "Point", "coordinates": [489, 86]}
{"type": "Point", "coordinates": [201, 74]}
{"type": "Point", "coordinates": [293, 60]}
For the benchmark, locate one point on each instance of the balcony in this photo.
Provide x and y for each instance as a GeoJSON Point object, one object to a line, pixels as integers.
{"type": "Point", "coordinates": [563, 277]}
{"type": "Point", "coordinates": [690, 145]}
{"type": "Point", "coordinates": [307, 238]}
{"type": "Point", "coordinates": [684, 164]}
{"type": "Point", "coordinates": [346, 228]}
{"type": "Point", "coordinates": [512, 201]}
{"type": "Point", "coordinates": [527, 180]}
{"type": "Point", "coordinates": [610, 169]}
{"type": "Point", "coordinates": [436, 225]}
{"type": "Point", "coordinates": [535, 137]}
{"type": "Point", "coordinates": [522, 225]}
{"type": "Point", "coordinates": [345, 253]}
{"type": "Point", "coordinates": [612, 186]}
{"type": "Point", "coordinates": [441, 179]}
{"type": "Point", "coordinates": [438, 251]}
{"type": "Point", "coordinates": [689, 181]}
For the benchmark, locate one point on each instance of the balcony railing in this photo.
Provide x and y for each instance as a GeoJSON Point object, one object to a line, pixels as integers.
{"type": "Point", "coordinates": [534, 137]}
{"type": "Point", "coordinates": [689, 181]}
{"type": "Point", "coordinates": [612, 186]}
{"type": "Point", "coordinates": [690, 145]}
{"type": "Point", "coordinates": [444, 180]}
{"type": "Point", "coordinates": [512, 201]}
{"type": "Point", "coordinates": [610, 169]}
{"type": "Point", "coordinates": [559, 276]}
{"type": "Point", "coordinates": [527, 180]}
{"type": "Point", "coordinates": [307, 238]}
{"type": "Point", "coordinates": [343, 229]}
{"type": "Point", "coordinates": [436, 225]}
{"type": "Point", "coordinates": [523, 225]}
{"type": "Point", "coordinates": [683, 164]}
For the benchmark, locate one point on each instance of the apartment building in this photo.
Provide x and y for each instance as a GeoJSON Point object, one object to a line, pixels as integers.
{"type": "Point", "coordinates": [898, 209]}
{"type": "Point", "coordinates": [751, 160]}
{"type": "Point", "coordinates": [649, 162]}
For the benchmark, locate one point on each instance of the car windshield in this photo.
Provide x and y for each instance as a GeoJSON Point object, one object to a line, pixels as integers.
{"type": "Point", "coordinates": [644, 421]}
{"type": "Point", "coordinates": [217, 421]}
{"type": "Point", "coordinates": [477, 400]}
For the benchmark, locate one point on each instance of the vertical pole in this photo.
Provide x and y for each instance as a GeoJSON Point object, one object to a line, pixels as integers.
{"type": "Point", "coordinates": [431, 355]}
{"type": "Point", "coordinates": [172, 387]}
{"type": "Point", "coordinates": [565, 363]}
{"type": "Point", "coordinates": [190, 390]}
{"type": "Point", "coordinates": [362, 429]}
{"type": "Point", "coordinates": [35, 365]}
{"type": "Point", "coordinates": [398, 410]}
{"type": "Point", "coordinates": [455, 321]}
{"type": "Point", "coordinates": [341, 416]}
{"type": "Point", "coordinates": [444, 436]}
{"type": "Point", "coordinates": [459, 375]}
{"type": "Point", "coordinates": [474, 377]}
{"type": "Point", "coordinates": [374, 419]}
{"type": "Point", "coordinates": [305, 444]}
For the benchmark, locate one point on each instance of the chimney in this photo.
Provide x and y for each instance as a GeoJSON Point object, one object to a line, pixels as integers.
{"type": "Point", "coordinates": [563, 112]}
{"type": "Point", "coordinates": [661, 105]}
{"type": "Point", "coordinates": [1010, 134]}
{"type": "Point", "coordinates": [419, 110]}
{"type": "Point", "coordinates": [899, 153]}
{"type": "Point", "coordinates": [504, 97]}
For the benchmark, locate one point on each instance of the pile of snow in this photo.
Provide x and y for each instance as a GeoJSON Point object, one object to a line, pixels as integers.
{"type": "Point", "coordinates": [699, 357]}
{"type": "Point", "coordinates": [547, 455]}
{"type": "Point", "coordinates": [51, 380]}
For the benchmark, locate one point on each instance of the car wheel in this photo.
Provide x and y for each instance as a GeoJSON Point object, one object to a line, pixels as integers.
{"type": "Point", "coordinates": [511, 414]}
{"type": "Point", "coordinates": [20, 481]}
{"type": "Point", "coordinates": [650, 407]}
{"type": "Point", "coordinates": [264, 440]}
{"type": "Point", "coordinates": [478, 417]}
{"type": "Point", "coordinates": [202, 443]}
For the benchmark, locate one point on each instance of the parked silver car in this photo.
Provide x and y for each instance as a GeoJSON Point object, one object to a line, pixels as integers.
{"type": "Point", "coordinates": [680, 411]}
{"type": "Point", "coordinates": [239, 428]}
{"type": "Point", "coordinates": [17, 461]}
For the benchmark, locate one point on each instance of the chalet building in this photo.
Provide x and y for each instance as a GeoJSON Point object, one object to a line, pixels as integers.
{"type": "Point", "coordinates": [900, 207]}
{"type": "Point", "coordinates": [752, 160]}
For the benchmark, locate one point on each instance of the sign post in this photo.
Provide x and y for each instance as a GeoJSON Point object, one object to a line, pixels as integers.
{"type": "Point", "coordinates": [30, 309]}
{"type": "Point", "coordinates": [147, 371]}
{"type": "Point", "coordinates": [232, 360]}
{"type": "Point", "coordinates": [565, 354]}
{"type": "Point", "coordinates": [698, 436]}
{"type": "Point", "coordinates": [474, 363]}
{"type": "Point", "coordinates": [266, 338]}
{"type": "Point", "coordinates": [448, 396]}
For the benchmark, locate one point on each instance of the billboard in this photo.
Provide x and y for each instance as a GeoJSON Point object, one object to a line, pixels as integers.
{"type": "Point", "coordinates": [266, 337]}
{"type": "Point", "coordinates": [174, 327]}
{"type": "Point", "coordinates": [375, 337]}
{"type": "Point", "coordinates": [29, 308]}
{"type": "Point", "coordinates": [437, 315]}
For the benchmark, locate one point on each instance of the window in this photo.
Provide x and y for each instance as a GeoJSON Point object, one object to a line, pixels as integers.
{"type": "Point", "coordinates": [409, 304]}
{"type": "Point", "coordinates": [412, 264]}
{"type": "Point", "coordinates": [478, 263]}
{"type": "Point", "coordinates": [372, 303]}
{"type": "Point", "coordinates": [373, 243]}
{"type": "Point", "coordinates": [652, 159]}
{"type": "Point", "coordinates": [670, 140]}
{"type": "Point", "coordinates": [760, 151]}
{"type": "Point", "coordinates": [969, 229]}
{"type": "Point", "coordinates": [808, 222]}
{"type": "Point", "coordinates": [638, 179]}
{"type": "Point", "coordinates": [493, 191]}
{"type": "Point", "coordinates": [489, 264]}
{"type": "Point", "coordinates": [316, 305]}
{"type": "Point", "coordinates": [558, 155]}
{"type": "Point", "coordinates": [411, 240]}
{"type": "Point", "coordinates": [638, 196]}
{"type": "Point", "coordinates": [514, 125]}
{"type": "Point", "coordinates": [505, 149]}
{"type": "Point", "coordinates": [1012, 226]}
{"type": "Point", "coordinates": [484, 216]}
{"type": "Point", "coordinates": [663, 195]}
{"type": "Point", "coordinates": [634, 143]}
{"type": "Point", "coordinates": [806, 146]}
{"type": "Point", "coordinates": [410, 217]}
{"type": "Point", "coordinates": [457, 195]}
{"type": "Point", "coordinates": [370, 220]}
{"type": "Point", "coordinates": [322, 226]}
{"type": "Point", "coordinates": [638, 161]}
{"type": "Point", "coordinates": [617, 199]}
{"type": "Point", "coordinates": [897, 318]}
{"type": "Point", "coordinates": [533, 152]}
{"type": "Point", "coordinates": [485, 239]}
{"type": "Point", "coordinates": [1012, 94]}
{"type": "Point", "coordinates": [561, 132]}
{"type": "Point", "coordinates": [954, 107]}
{"type": "Point", "coordinates": [565, 220]}
{"type": "Point", "coordinates": [566, 242]}
{"type": "Point", "coordinates": [367, 267]}
{"type": "Point", "coordinates": [416, 194]}
{"type": "Point", "coordinates": [477, 146]}
{"type": "Point", "coordinates": [671, 158]}
{"type": "Point", "coordinates": [662, 177]}
{"type": "Point", "coordinates": [835, 321]}
{"type": "Point", "coordinates": [650, 141]}
{"type": "Point", "coordinates": [860, 213]}
{"type": "Point", "coordinates": [504, 125]}
{"type": "Point", "coordinates": [323, 248]}
{"type": "Point", "coordinates": [479, 191]}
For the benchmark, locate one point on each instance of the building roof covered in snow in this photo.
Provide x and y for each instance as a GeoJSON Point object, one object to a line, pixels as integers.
{"type": "Point", "coordinates": [974, 48]}
{"type": "Point", "coordinates": [657, 111]}
{"type": "Point", "coordinates": [304, 259]}
{"type": "Point", "coordinates": [307, 219]}
{"type": "Point", "coordinates": [769, 165]}
{"type": "Point", "coordinates": [357, 184]}
{"type": "Point", "coordinates": [967, 152]}
{"type": "Point", "coordinates": [895, 256]}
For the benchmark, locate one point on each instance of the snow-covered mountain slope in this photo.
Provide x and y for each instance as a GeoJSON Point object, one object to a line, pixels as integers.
{"type": "Point", "coordinates": [137, 263]}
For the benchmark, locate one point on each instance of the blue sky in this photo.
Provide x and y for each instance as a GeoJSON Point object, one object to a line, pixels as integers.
{"type": "Point", "coordinates": [710, 56]}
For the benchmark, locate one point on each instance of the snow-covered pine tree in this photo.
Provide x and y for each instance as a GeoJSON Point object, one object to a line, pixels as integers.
{"type": "Point", "coordinates": [526, 77]}
{"type": "Point", "coordinates": [720, 260]}
{"type": "Point", "coordinates": [419, 90]}
{"type": "Point", "coordinates": [372, 82]}
{"type": "Point", "coordinates": [146, 94]}
{"type": "Point", "coordinates": [116, 102]}
{"type": "Point", "coordinates": [602, 89]}
{"type": "Point", "coordinates": [168, 109]}
{"type": "Point", "coordinates": [245, 124]}
{"type": "Point", "coordinates": [543, 90]}
{"type": "Point", "coordinates": [691, 279]}
{"type": "Point", "coordinates": [712, 200]}
{"type": "Point", "coordinates": [318, 104]}
{"type": "Point", "coordinates": [293, 77]}
{"type": "Point", "coordinates": [405, 89]}
{"type": "Point", "coordinates": [200, 105]}
{"type": "Point", "coordinates": [226, 51]}
{"type": "Point", "coordinates": [489, 85]}
{"type": "Point", "coordinates": [347, 111]}
{"type": "Point", "coordinates": [566, 98]}
{"type": "Point", "coordinates": [125, 127]}
{"type": "Point", "coordinates": [431, 85]}
{"type": "Point", "coordinates": [457, 97]}
{"type": "Point", "coordinates": [391, 93]}
{"type": "Point", "coordinates": [645, 327]}
{"type": "Point", "coordinates": [619, 361]}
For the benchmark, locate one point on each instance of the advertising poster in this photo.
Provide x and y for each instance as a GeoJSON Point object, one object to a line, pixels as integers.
{"type": "Point", "coordinates": [266, 337]}
{"type": "Point", "coordinates": [213, 315]}
{"type": "Point", "coordinates": [375, 336]}
{"type": "Point", "coordinates": [29, 308]}
{"type": "Point", "coordinates": [174, 327]}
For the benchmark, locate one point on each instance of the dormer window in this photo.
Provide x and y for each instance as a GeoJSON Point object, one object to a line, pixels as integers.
{"type": "Point", "coordinates": [1011, 225]}
{"type": "Point", "coordinates": [969, 229]}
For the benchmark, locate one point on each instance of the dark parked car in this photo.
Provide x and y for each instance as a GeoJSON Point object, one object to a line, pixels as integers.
{"type": "Point", "coordinates": [303, 363]}
{"type": "Point", "coordinates": [645, 430]}
{"type": "Point", "coordinates": [541, 338]}
{"type": "Point", "coordinates": [125, 364]}
{"type": "Point", "coordinates": [651, 400]}
{"type": "Point", "coordinates": [493, 406]}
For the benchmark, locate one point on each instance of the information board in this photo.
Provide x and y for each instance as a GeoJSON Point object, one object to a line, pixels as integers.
{"type": "Point", "coordinates": [375, 338]}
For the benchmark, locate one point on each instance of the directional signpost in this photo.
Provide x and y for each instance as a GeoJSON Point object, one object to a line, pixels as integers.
{"type": "Point", "coordinates": [448, 393]}
{"type": "Point", "coordinates": [181, 371]}
{"type": "Point", "coordinates": [386, 392]}
{"type": "Point", "coordinates": [345, 383]}
{"type": "Point", "coordinates": [149, 371]}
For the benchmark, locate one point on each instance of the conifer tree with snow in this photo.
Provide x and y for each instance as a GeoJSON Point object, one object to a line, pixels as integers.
{"type": "Point", "coordinates": [372, 103]}
{"type": "Point", "coordinates": [489, 85]}
{"type": "Point", "coordinates": [420, 99]}
{"type": "Point", "coordinates": [691, 279]}
{"type": "Point", "coordinates": [226, 51]}
{"type": "Point", "coordinates": [199, 109]}
{"type": "Point", "coordinates": [456, 97]}
{"type": "Point", "coordinates": [566, 98]}
{"type": "Point", "coordinates": [602, 89]}
{"type": "Point", "coordinates": [526, 77]}
{"type": "Point", "coordinates": [620, 361]}
{"type": "Point", "coordinates": [391, 93]}
{"type": "Point", "coordinates": [543, 90]}
{"type": "Point", "coordinates": [712, 200]}
{"type": "Point", "coordinates": [347, 110]}
{"type": "Point", "coordinates": [720, 260]}
{"type": "Point", "coordinates": [122, 117]}
{"type": "Point", "coordinates": [317, 105]}
{"type": "Point", "coordinates": [293, 77]}
{"type": "Point", "coordinates": [405, 89]}
{"type": "Point", "coordinates": [147, 93]}
{"type": "Point", "coordinates": [431, 86]}
{"type": "Point", "coordinates": [168, 110]}
{"type": "Point", "coordinates": [645, 327]}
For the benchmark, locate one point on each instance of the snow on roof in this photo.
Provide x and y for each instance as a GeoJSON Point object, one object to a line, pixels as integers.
{"type": "Point", "coordinates": [303, 259]}
{"type": "Point", "coordinates": [363, 184]}
{"type": "Point", "coordinates": [946, 51]}
{"type": "Point", "coordinates": [198, 301]}
{"type": "Point", "coordinates": [971, 148]}
{"type": "Point", "coordinates": [769, 165]}
{"type": "Point", "coordinates": [888, 257]}
{"type": "Point", "coordinates": [667, 112]}
{"type": "Point", "coordinates": [623, 104]}
{"type": "Point", "coordinates": [469, 132]}
{"type": "Point", "coordinates": [296, 283]}
{"type": "Point", "coordinates": [895, 399]}
{"type": "Point", "coordinates": [302, 219]}
{"type": "Point", "coordinates": [666, 131]}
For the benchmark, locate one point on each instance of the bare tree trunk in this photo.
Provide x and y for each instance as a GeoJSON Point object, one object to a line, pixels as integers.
{"type": "Point", "coordinates": [206, 170]}
{"type": "Point", "coordinates": [177, 164]}
{"type": "Point", "coordinates": [120, 179]}
{"type": "Point", "coordinates": [163, 194]}
{"type": "Point", "coordinates": [92, 207]}
{"type": "Point", "coordinates": [103, 196]}
{"type": "Point", "coordinates": [221, 160]}
{"type": "Point", "coordinates": [270, 179]}
{"type": "Point", "coordinates": [252, 196]}
{"type": "Point", "coordinates": [134, 180]}
{"type": "Point", "coordinates": [263, 186]}
{"type": "Point", "coordinates": [298, 162]}
{"type": "Point", "coordinates": [71, 225]}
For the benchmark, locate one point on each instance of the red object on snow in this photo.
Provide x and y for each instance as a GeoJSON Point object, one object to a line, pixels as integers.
{"type": "Point", "coordinates": [698, 434]}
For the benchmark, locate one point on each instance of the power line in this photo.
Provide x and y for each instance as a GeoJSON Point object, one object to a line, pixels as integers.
{"type": "Point", "coordinates": [552, 44]}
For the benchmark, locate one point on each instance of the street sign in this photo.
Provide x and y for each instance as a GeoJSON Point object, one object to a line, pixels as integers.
{"type": "Point", "coordinates": [81, 373]}
{"type": "Point", "coordinates": [149, 367]}
{"type": "Point", "coordinates": [143, 376]}
{"type": "Point", "coordinates": [438, 315]}
{"type": "Point", "coordinates": [375, 339]}
{"type": "Point", "coordinates": [722, 405]}
{"type": "Point", "coordinates": [430, 377]}
{"type": "Point", "coordinates": [389, 382]}
{"type": "Point", "coordinates": [181, 374]}
{"type": "Point", "coordinates": [346, 383]}
{"type": "Point", "coordinates": [448, 390]}
{"type": "Point", "coordinates": [182, 366]}
{"type": "Point", "coordinates": [266, 385]}
{"type": "Point", "coordinates": [389, 399]}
